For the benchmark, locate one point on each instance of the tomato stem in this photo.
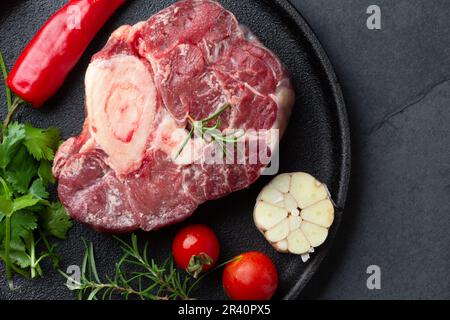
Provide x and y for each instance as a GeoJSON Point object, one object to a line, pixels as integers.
{"type": "Point", "coordinates": [223, 264]}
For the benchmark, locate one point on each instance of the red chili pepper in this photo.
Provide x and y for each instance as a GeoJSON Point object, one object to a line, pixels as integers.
{"type": "Point", "coordinates": [49, 57]}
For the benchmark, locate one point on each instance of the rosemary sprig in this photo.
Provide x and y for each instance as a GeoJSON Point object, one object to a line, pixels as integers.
{"type": "Point", "coordinates": [206, 131]}
{"type": "Point", "coordinates": [151, 282]}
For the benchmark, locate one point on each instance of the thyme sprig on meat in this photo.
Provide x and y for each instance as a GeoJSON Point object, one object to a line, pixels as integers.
{"type": "Point", "coordinates": [209, 132]}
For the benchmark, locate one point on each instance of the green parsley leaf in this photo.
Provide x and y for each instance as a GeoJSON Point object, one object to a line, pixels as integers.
{"type": "Point", "coordinates": [20, 257]}
{"type": "Point", "coordinates": [22, 225]}
{"type": "Point", "coordinates": [21, 171]}
{"type": "Point", "coordinates": [5, 189]}
{"type": "Point", "coordinates": [42, 143]}
{"type": "Point", "coordinates": [55, 221]}
{"type": "Point", "coordinates": [26, 155]}
{"type": "Point", "coordinates": [17, 254]}
{"type": "Point", "coordinates": [22, 222]}
{"type": "Point", "coordinates": [45, 172]}
{"type": "Point", "coordinates": [24, 202]}
{"type": "Point", "coordinates": [12, 138]}
{"type": "Point", "coordinates": [37, 189]}
{"type": "Point", "coordinates": [6, 207]}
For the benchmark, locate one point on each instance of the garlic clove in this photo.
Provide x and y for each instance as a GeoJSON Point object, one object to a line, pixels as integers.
{"type": "Point", "coordinates": [298, 243]}
{"type": "Point", "coordinates": [307, 190]}
{"type": "Point", "coordinates": [321, 213]}
{"type": "Point", "coordinates": [267, 216]}
{"type": "Point", "coordinates": [315, 234]}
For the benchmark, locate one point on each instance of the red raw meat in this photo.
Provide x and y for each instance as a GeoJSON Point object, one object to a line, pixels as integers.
{"type": "Point", "coordinates": [123, 172]}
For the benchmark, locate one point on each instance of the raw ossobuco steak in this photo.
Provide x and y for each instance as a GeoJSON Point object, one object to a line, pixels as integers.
{"type": "Point", "coordinates": [128, 169]}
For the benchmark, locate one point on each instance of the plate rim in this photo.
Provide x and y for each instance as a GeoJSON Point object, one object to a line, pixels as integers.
{"type": "Point", "coordinates": [295, 17]}
{"type": "Point", "coordinates": [344, 137]}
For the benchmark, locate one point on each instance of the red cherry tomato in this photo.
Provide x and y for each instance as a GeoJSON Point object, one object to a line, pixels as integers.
{"type": "Point", "coordinates": [252, 276]}
{"type": "Point", "coordinates": [195, 249]}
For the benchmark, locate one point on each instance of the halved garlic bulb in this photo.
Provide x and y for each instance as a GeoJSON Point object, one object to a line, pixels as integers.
{"type": "Point", "coordinates": [294, 212]}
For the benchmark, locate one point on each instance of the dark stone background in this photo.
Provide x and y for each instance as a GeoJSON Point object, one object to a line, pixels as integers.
{"type": "Point", "coordinates": [396, 83]}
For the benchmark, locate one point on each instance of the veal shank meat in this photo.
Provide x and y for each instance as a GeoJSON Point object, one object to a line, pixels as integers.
{"type": "Point", "coordinates": [126, 170]}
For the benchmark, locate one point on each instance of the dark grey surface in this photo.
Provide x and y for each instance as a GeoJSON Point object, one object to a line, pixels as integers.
{"type": "Point", "coordinates": [317, 140]}
{"type": "Point", "coordinates": [396, 83]}
{"type": "Point", "coordinates": [398, 210]}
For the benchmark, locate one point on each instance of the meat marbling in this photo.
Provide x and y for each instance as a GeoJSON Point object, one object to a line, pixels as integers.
{"type": "Point", "coordinates": [123, 172]}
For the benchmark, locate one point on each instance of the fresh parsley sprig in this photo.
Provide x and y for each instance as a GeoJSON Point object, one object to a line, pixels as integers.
{"type": "Point", "coordinates": [27, 216]}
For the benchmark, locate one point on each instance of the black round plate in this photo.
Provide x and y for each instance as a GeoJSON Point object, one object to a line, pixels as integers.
{"type": "Point", "coordinates": [317, 140]}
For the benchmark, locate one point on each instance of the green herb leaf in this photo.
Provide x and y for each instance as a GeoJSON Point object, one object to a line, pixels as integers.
{"type": "Point", "coordinates": [210, 133]}
{"type": "Point", "coordinates": [20, 257]}
{"type": "Point", "coordinates": [37, 189]}
{"type": "Point", "coordinates": [26, 155]}
{"type": "Point", "coordinates": [55, 221]}
{"type": "Point", "coordinates": [42, 143]}
{"type": "Point", "coordinates": [22, 225]}
{"type": "Point", "coordinates": [24, 202]}
{"type": "Point", "coordinates": [45, 172]}
{"type": "Point", "coordinates": [21, 170]}
{"type": "Point", "coordinates": [5, 189]}
{"type": "Point", "coordinates": [6, 207]}
{"type": "Point", "coordinates": [13, 136]}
